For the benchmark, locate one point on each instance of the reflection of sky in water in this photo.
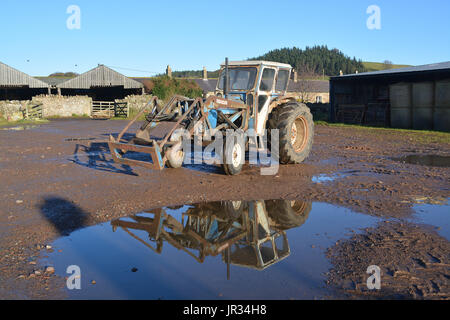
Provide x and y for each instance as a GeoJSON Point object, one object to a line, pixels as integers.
{"type": "Point", "coordinates": [324, 178]}
{"type": "Point", "coordinates": [426, 160]}
{"type": "Point", "coordinates": [436, 215]}
{"type": "Point", "coordinates": [108, 258]}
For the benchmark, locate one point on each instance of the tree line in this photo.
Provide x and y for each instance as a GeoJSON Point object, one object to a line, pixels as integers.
{"type": "Point", "coordinates": [311, 61]}
{"type": "Point", "coordinates": [315, 60]}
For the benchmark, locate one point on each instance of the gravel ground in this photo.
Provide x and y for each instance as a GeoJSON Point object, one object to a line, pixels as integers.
{"type": "Point", "coordinates": [59, 177]}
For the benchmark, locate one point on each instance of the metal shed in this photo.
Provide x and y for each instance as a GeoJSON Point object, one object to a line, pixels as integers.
{"type": "Point", "coordinates": [16, 85]}
{"type": "Point", "coordinates": [101, 83]}
{"type": "Point", "coordinates": [413, 97]}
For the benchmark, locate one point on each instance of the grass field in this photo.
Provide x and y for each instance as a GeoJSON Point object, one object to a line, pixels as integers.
{"type": "Point", "coordinates": [422, 136]}
{"type": "Point", "coordinates": [377, 66]}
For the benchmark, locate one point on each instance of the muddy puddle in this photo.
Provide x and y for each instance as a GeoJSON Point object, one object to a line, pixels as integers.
{"type": "Point", "coordinates": [46, 128]}
{"type": "Point", "coordinates": [271, 249]}
{"type": "Point", "coordinates": [434, 215]}
{"type": "Point", "coordinates": [426, 160]}
{"type": "Point", "coordinates": [323, 178]}
{"type": "Point", "coordinates": [20, 128]}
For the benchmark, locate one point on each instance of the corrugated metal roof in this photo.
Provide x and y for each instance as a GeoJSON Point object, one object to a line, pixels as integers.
{"type": "Point", "coordinates": [10, 77]}
{"type": "Point", "coordinates": [422, 68]}
{"type": "Point", "coordinates": [100, 76]}
{"type": "Point", "coordinates": [53, 81]}
{"type": "Point", "coordinates": [207, 85]}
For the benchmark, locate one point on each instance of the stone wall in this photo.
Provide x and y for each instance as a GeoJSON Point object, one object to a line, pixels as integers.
{"type": "Point", "coordinates": [312, 97]}
{"type": "Point", "coordinates": [64, 106]}
{"type": "Point", "coordinates": [136, 102]}
{"type": "Point", "coordinates": [12, 110]}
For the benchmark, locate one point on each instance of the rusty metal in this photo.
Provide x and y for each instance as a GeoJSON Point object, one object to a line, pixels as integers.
{"type": "Point", "coordinates": [155, 148]}
{"type": "Point", "coordinates": [123, 147]}
{"type": "Point", "coordinates": [152, 101]}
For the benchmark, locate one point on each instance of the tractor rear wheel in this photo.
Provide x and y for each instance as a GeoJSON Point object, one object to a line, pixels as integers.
{"type": "Point", "coordinates": [296, 128]}
{"type": "Point", "coordinates": [287, 214]}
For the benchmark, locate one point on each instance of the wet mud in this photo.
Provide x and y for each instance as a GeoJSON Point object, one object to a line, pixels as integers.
{"type": "Point", "coordinates": [59, 178]}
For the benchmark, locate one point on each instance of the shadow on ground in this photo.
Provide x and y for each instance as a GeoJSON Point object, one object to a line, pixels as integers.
{"type": "Point", "coordinates": [63, 214]}
{"type": "Point", "coordinates": [93, 156]}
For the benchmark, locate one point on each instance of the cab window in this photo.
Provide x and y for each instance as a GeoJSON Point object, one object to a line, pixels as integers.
{"type": "Point", "coordinates": [239, 78]}
{"type": "Point", "coordinates": [282, 80]}
{"type": "Point", "coordinates": [267, 79]}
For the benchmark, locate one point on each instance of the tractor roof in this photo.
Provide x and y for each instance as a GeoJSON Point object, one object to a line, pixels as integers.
{"type": "Point", "coordinates": [257, 63]}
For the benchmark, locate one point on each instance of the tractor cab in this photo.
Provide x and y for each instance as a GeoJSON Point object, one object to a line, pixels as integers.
{"type": "Point", "coordinates": [255, 83]}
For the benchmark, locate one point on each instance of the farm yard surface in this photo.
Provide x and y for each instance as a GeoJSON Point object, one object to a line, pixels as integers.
{"type": "Point", "coordinates": [370, 197]}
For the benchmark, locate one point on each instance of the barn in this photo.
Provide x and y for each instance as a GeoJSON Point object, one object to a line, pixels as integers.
{"type": "Point", "coordinates": [101, 84]}
{"type": "Point", "coordinates": [16, 85]}
{"type": "Point", "coordinates": [411, 98]}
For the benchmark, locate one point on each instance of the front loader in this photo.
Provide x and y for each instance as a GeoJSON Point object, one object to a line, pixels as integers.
{"type": "Point", "coordinates": [249, 95]}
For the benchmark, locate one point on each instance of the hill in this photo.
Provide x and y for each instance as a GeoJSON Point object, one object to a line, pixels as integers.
{"type": "Point", "coordinates": [316, 60]}
{"type": "Point", "coordinates": [378, 66]}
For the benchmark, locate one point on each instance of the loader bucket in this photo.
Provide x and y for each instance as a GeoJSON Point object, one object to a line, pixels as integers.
{"type": "Point", "coordinates": [118, 150]}
{"type": "Point", "coordinates": [179, 113]}
{"type": "Point", "coordinates": [145, 142]}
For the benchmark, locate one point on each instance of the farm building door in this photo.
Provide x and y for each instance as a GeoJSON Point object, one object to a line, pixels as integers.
{"type": "Point", "coordinates": [107, 93]}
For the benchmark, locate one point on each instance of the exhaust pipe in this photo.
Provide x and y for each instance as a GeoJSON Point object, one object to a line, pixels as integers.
{"type": "Point", "coordinates": [225, 86]}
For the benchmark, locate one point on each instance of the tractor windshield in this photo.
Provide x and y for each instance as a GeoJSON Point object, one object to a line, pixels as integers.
{"type": "Point", "coordinates": [239, 78]}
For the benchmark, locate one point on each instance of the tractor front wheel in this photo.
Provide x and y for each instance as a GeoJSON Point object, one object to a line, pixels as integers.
{"type": "Point", "coordinates": [233, 155]}
{"type": "Point", "coordinates": [175, 156]}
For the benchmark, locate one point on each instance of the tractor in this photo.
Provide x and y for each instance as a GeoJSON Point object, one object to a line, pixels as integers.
{"type": "Point", "coordinates": [250, 95]}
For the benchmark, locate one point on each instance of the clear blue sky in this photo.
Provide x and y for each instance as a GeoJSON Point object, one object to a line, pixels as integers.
{"type": "Point", "coordinates": [189, 34]}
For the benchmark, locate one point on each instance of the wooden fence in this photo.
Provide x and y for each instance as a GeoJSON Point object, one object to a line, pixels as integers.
{"type": "Point", "coordinates": [369, 114]}
{"type": "Point", "coordinates": [109, 109]}
{"type": "Point", "coordinates": [320, 111]}
{"type": "Point", "coordinates": [121, 109]}
{"type": "Point", "coordinates": [32, 112]}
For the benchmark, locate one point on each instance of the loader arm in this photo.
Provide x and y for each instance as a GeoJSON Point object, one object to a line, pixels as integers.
{"type": "Point", "coordinates": [182, 112]}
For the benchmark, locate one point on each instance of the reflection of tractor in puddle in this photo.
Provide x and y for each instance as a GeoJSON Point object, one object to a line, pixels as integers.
{"type": "Point", "coordinates": [249, 234]}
